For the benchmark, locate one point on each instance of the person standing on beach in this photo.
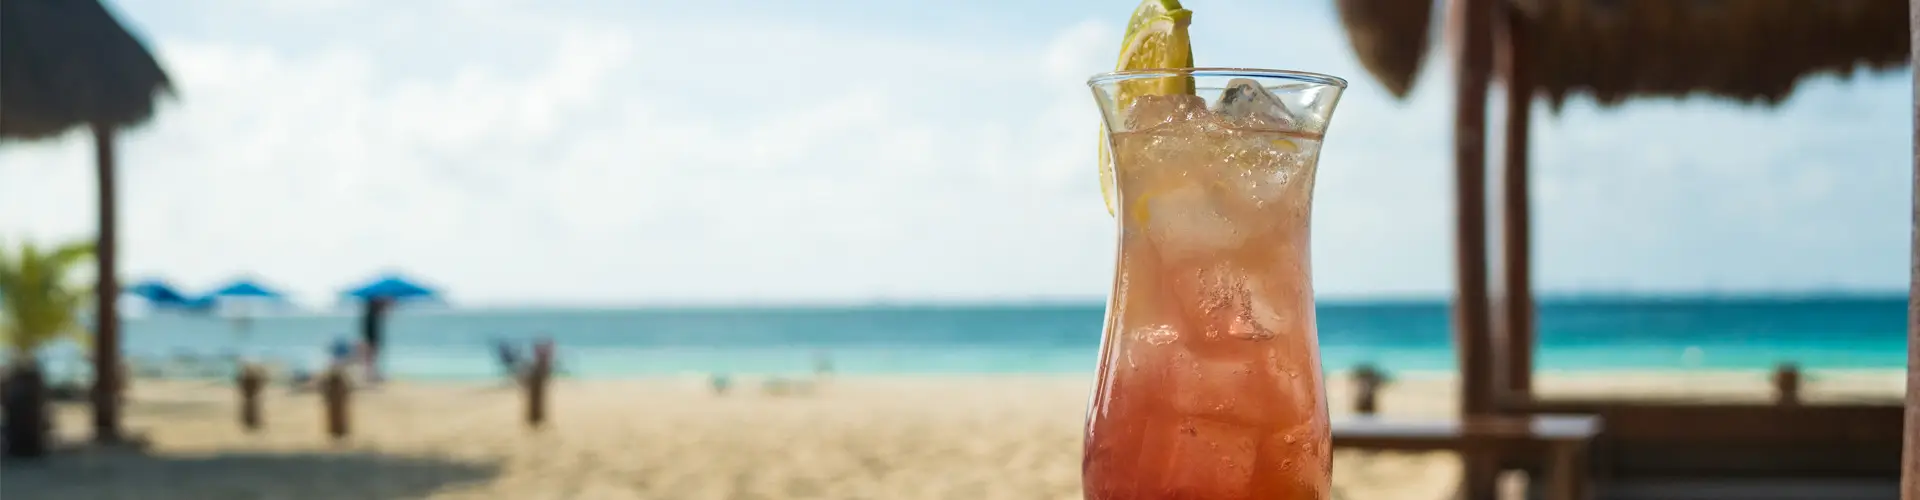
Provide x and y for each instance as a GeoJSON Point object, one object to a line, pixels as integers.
{"type": "Point", "coordinates": [372, 333]}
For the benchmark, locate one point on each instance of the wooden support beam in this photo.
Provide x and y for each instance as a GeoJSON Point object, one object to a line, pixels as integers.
{"type": "Point", "coordinates": [1514, 313]}
{"type": "Point", "coordinates": [1469, 26]}
{"type": "Point", "coordinates": [107, 382]}
{"type": "Point", "coordinates": [1910, 470]}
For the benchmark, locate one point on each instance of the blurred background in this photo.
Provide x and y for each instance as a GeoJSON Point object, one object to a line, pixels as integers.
{"type": "Point", "coordinates": [700, 213]}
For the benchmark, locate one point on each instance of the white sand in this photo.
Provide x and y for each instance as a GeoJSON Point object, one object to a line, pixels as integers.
{"type": "Point", "coordinates": [896, 439]}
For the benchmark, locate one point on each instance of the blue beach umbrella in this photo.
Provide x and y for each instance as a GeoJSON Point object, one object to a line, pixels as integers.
{"type": "Point", "coordinates": [202, 304]}
{"type": "Point", "coordinates": [160, 294]}
{"type": "Point", "coordinates": [393, 287]}
{"type": "Point", "coordinates": [247, 289]}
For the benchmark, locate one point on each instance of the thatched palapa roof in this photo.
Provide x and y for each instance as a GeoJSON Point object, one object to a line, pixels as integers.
{"type": "Point", "coordinates": [65, 63]}
{"type": "Point", "coordinates": [1747, 50]}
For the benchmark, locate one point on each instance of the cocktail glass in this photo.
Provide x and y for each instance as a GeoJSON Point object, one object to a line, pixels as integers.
{"type": "Point", "coordinates": [1209, 382]}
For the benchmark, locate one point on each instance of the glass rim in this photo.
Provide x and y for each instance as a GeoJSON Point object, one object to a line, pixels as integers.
{"type": "Point", "coordinates": [1277, 74]}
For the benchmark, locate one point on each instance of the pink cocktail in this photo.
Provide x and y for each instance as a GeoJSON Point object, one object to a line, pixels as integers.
{"type": "Point", "coordinates": [1210, 384]}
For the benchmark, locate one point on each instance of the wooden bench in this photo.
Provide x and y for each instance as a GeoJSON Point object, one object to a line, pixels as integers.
{"type": "Point", "coordinates": [1562, 440]}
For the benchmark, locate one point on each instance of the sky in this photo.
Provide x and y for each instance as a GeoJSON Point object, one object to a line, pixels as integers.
{"type": "Point", "coordinates": [618, 152]}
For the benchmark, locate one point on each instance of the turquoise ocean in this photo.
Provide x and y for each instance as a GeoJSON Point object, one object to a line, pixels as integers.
{"type": "Point", "coordinates": [1588, 334]}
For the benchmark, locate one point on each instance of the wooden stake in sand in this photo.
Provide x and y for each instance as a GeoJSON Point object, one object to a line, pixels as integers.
{"type": "Point", "coordinates": [1786, 384]}
{"type": "Point", "coordinates": [538, 374]}
{"type": "Point", "coordinates": [1368, 380]}
{"type": "Point", "coordinates": [334, 392]}
{"type": "Point", "coordinates": [251, 380]}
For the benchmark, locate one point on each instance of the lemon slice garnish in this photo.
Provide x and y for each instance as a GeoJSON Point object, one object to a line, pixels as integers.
{"type": "Point", "coordinates": [1156, 38]}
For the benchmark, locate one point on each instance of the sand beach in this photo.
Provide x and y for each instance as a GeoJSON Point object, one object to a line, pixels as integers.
{"type": "Point", "coordinates": [895, 438]}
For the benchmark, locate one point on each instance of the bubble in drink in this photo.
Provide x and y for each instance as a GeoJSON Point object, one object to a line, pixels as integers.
{"type": "Point", "coordinates": [1234, 302]}
{"type": "Point", "coordinates": [1158, 334]}
{"type": "Point", "coordinates": [1149, 111]}
{"type": "Point", "coordinates": [1201, 459]}
{"type": "Point", "coordinates": [1225, 389]}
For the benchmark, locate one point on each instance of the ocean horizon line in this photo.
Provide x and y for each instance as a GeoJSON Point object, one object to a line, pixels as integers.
{"type": "Point", "coordinates": [1547, 298]}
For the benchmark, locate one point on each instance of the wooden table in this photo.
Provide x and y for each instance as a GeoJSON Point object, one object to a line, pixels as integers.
{"type": "Point", "coordinates": [1562, 438]}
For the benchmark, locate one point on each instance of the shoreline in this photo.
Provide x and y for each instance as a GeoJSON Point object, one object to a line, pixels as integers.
{"type": "Point", "coordinates": [899, 437]}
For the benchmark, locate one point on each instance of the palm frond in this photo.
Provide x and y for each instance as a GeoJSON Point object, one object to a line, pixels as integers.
{"type": "Point", "coordinates": [72, 253]}
{"type": "Point", "coordinates": [40, 299]}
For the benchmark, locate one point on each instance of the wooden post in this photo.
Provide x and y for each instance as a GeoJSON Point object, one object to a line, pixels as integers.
{"type": "Point", "coordinates": [106, 312]}
{"type": "Point", "coordinates": [250, 381]}
{"type": "Point", "coordinates": [1786, 384]}
{"type": "Point", "coordinates": [334, 394]}
{"type": "Point", "coordinates": [1514, 313]}
{"type": "Point", "coordinates": [1567, 476]}
{"type": "Point", "coordinates": [538, 376]}
{"type": "Point", "coordinates": [1910, 468]}
{"type": "Point", "coordinates": [1367, 380]}
{"type": "Point", "coordinates": [1470, 27]}
{"type": "Point", "coordinates": [1470, 319]}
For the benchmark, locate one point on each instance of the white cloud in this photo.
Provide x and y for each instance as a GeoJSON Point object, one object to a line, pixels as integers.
{"type": "Point", "coordinates": [518, 151]}
{"type": "Point", "coordinates": [616, 169]}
